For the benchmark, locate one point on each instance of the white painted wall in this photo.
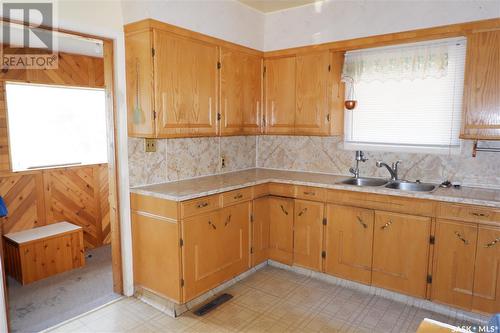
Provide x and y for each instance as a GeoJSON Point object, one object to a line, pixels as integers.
{"type": "Point", "coordinates": [333, 20]}
{"type": "Point", "coordinates": [225, 19]}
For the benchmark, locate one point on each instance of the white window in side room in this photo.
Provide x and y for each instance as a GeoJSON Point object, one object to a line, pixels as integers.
{"type": "Point", "coordinates": [52, 126]}
{"type": "Point", "coordinates": [409, 97]}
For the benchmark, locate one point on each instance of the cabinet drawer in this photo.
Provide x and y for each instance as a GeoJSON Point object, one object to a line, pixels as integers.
{"type": "Point", "coordinates": [200, 205]}
{"type": "Point", "coordinates": [232, 197]}
{"type": "Point", "coordinates": [382, 202]}
{"type": "Point", "coordinates": [310, 193]}
{"type": "Point", "coordinates": [284, 190]}
{"type": "Point", "coordinates": [467, 213]}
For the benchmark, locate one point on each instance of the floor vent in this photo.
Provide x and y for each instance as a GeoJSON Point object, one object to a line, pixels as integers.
{"type": "Point", "coordinates": [213, 304]}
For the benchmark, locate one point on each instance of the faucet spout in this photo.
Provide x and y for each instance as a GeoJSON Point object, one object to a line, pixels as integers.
{"type": "Point", "coordinates": [393, 171]}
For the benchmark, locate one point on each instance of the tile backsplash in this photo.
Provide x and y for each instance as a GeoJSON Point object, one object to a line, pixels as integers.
{"type": "Point", "coordinates": [177, 159]}
{"type": "Point", "coordinates": [323, 154]}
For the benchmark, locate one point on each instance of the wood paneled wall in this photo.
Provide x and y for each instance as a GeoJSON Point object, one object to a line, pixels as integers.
{"type": "Point", "coordinates": [77, 194]}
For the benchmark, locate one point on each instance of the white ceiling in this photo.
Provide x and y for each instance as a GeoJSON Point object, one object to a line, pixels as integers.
{"type": "Point", "coordinates": [268, 6]}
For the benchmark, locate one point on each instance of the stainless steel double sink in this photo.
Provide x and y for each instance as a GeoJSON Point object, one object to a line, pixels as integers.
{"type": "Point", "coordinates": [401, 185]}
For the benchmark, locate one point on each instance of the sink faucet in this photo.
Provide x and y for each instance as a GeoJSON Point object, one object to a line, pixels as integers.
{"type": "Point", "coordinates": [360, 157]}
{"type": "Point", "coordinates": [392, 170]}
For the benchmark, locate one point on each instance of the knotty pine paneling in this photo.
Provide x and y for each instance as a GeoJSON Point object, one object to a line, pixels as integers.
{"type": "Point", "coordinates": [78, 195]}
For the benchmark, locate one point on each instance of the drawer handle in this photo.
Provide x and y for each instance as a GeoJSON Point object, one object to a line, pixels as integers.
{"type": "Point", "coordinates": [493, 242]}
{"type": "Point", "coordinates": [302, 212]}
{"type": "Point", "coordinates": [238, 196]}
{"type": "Point", "coordinates": [213, 225]}
{"type": "Point", "coordinates": [361, 222]}
{"type": "Point", "coordinates": [385, 226]}
{"type": "Point", "coordinates": [283, 209]}
{"type": "Point", "coordinates": [202, 204]}
{"type": "Point", "coordinates": [309, 193]}
{"type": "Point", "coordinates": [466, 242]}
{"type": "Point", "coordinates": [480, 214]}
{"type": "Point", "coordinates": [227, 220]}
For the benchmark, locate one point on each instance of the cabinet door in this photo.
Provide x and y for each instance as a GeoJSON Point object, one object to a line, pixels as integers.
{"type": "Point", "coordinates": [312, 94]}
{"type": "Point", "coordinates": [260, 230]}
{"type": "Point", "coordinates": [281, 229]}
{"type": "Point", "coordinates": [401, 252]}
{"type": "Point", "coordinates": [481, 118]}
{"type": "Point", "coordinates": [349, 240]}
{"type": "Point", "coordinates": [308, 234]}
{"type": "Point", "coordinates": [216, 248]}
{"type": "Point", "coordinates": [453, 267]}
{"type": "Point", "coordinates": [280, 95]}
{"type": "Point", "coordinates": [486, 292]}
{"type": "Point", "coordinates": [185, 72]}
{"type": "Point", "coordinates": [240, 92]}
{"type": "Point", "coordinates": [140, 96]}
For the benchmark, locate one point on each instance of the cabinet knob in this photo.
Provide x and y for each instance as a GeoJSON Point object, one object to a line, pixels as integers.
{"type": "Point", "coordinates": [283, 210]}
{"type": "Point", "coordinates": [302, 212]}
{"type": "Point", "coordinates": [493, 242]}
{"type": "Point", "coordinates": [202, 204]}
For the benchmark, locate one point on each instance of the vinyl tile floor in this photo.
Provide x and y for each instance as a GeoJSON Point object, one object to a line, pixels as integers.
{"type": "Point", "coordinates": [271, 300]}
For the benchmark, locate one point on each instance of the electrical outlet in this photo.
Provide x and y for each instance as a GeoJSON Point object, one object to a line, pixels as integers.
{"type": "Point", "coordinates": [150, 145]}
{"type": "Point", "coordinates": [223, 161]}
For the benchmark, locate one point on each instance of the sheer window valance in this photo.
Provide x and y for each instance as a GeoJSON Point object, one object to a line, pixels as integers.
{"type": "Point", "coordinates": [407, 61]}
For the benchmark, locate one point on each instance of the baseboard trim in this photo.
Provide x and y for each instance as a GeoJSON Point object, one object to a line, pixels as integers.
{"type": "Point", "coordinates": [424, 304]}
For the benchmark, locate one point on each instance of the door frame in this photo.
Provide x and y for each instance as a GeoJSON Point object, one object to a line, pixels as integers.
{"type": "Point", "coordinates": [113, 168]}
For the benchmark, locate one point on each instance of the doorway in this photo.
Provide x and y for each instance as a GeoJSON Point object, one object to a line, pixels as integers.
{"type": "Point", "coordinates": [58, 165]}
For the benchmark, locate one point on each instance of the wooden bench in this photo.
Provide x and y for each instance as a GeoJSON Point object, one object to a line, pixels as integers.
{"type": "Point", "coordinates": [35, 254]}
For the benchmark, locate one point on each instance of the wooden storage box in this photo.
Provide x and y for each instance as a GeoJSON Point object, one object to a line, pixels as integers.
{"type": "Point", "coordinates": [38, 253]}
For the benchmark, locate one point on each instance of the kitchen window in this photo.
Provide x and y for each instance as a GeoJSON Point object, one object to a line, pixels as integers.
{"type": "Point", "coordinates": [409, 97]}
{"type": "Point", "coordinates": [53, 126]}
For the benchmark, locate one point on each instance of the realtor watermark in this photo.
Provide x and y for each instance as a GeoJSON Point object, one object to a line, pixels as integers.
{"type": "Point", "coordinates": [28, 38]}
{"type": "Point", "coordinates": [477, 328]}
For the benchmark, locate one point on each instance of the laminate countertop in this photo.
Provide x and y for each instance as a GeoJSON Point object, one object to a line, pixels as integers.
{"type": "Point", "coordinates": [203, 186]}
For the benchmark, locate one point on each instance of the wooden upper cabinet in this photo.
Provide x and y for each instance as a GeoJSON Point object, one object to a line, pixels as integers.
{"type": "Point", "coordinates": [308, 234]}
{"type": "Point", "coordinates": [481, 116]}
{"type": "Point", "coordinates": [279, 93]}
{"type": "Point", "coordinates": [453, 267]}
{"type": "Point", "coordinates": [185, 73]}
{"type": "Point", "coordinates": [349, 243]}
{"type": "Point", "coordinates": [140, 96]}
{"type": "Point", "coordinates": [401, 252]}
{"type": "Point", "coordinates": [312, 112]}
{"type": "Point", "coordinates": [241, 85]}
{"type": "Point", "coordinates": [486, 292]}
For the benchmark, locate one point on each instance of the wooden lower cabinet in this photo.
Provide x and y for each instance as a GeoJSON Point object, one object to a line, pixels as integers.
{"type": "Point", "coordinates": [453, 268]}
{"type": "Point", "coordinates": [281, 229]}
{"type": "Point", "coordinates": [156, 255]}
{"type": "Point", "coordinates": [260, 230]}
{"type": "Point", "coordinates": [401, 252]}
{"type": "Point", "coordinates": [216, 248]}
{"type": "Point", "coordinates": [308, 234]}
{"type": "Point", "coordinates": [486, 292]}
{"type": "Point", "coordinates": [348, 242]}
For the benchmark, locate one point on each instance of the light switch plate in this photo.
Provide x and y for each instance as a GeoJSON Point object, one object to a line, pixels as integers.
{"type": "Point", "coordinates": [150, 145]}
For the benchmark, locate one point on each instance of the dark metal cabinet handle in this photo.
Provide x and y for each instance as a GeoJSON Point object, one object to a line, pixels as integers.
{"type": "Point", "coordinates": [302, 212]}
{"type": "Point", "coordinates": [361, 222]}
{"type": "Point", "coordinates": [493, 242]}
{"type": "Point", "coordinates": [238, 196]}
{"type": "Point", "coordinates": [213, 225]}
{"type": "Point", "coordinates": [227, 220]}
{"type": "Point", "coordinates": [283, 209]}
{"type": "Point", "coordinates": [479, 214]}
{"type": "Point", "coordinates": [202, 204]}
{"type": "Point", "coordinates": [385, 226]}
{"type": "Point", "coordinates": [309, 193]}
{"type": "Point", "coordinates": [466, 242]}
